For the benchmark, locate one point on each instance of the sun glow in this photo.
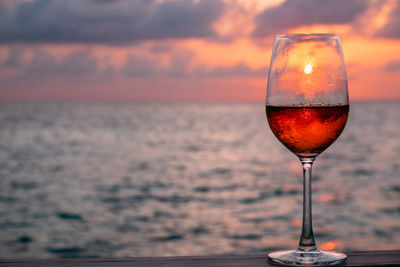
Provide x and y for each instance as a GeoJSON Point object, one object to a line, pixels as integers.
{"type": "Point", "coordinates": [308, 68]}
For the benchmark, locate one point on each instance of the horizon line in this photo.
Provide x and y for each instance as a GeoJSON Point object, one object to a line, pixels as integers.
{"type": "Point", "coordinates": [150, 101]}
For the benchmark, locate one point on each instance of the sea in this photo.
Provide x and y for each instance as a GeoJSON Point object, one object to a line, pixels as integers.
{"type": "Point", "coordinates": [165, 179]}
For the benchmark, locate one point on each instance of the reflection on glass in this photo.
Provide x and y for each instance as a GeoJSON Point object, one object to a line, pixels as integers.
{"type": "Point", "coordinates": [307, 108]}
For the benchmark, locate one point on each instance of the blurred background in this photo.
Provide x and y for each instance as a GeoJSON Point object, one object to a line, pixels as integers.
{"type": "Point", "coordinates": [137, 128]}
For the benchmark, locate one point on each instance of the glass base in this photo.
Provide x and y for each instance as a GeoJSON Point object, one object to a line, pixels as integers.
{"type": "Point", "coordinates": [306, 258]}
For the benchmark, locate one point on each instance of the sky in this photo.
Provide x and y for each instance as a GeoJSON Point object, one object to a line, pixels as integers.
{"type": "Point", "coordinates": [183, 50]}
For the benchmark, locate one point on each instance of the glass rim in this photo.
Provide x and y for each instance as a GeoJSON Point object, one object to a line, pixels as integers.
{"type": "Point", "coordinates": [307, 35]}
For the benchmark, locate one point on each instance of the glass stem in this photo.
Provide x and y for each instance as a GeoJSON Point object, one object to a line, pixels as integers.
{"type": "Point", "coordinates": [307, 242]}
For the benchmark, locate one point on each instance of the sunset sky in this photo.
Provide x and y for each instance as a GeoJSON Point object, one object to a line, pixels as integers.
{"type": "Point", "coordinates": [122, 50]}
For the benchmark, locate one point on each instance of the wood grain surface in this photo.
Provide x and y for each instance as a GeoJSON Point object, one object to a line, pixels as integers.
{"type": "Point", "coordinates": [366, 258]}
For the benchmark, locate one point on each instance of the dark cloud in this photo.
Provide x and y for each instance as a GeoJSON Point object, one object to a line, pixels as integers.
{"type": "Point", "coordinates": [137, 66]}
{"type": "Point", "coordinates": [392, 66]}
{"type": "Point", "coordinates": [75, 64]}
{"type": "Point", "coordinates": [107, 21]}
{"type": "Point", "coordinates": [392, 28]}
{"type": "Point", "coordinates": [14, 59]}
{"type": "Point", "coordinates": [238, 70]}
{"type": "Point", "coordinates": [43, 66]}
{"type": "Point", "coordinates": [294, 13]}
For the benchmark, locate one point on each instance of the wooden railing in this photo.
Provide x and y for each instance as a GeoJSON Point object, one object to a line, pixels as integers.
{"type": "Point", "coordinates": [366, 258]}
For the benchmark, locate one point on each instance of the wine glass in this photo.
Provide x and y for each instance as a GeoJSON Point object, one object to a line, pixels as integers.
{"type": "Point", "coordinates": [307, 108]}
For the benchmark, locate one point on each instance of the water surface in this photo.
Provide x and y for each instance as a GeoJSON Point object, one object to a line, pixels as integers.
{"type": "Point", "coordinates": [82, 180]}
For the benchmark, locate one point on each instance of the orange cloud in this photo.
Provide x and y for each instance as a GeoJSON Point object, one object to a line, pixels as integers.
{"type": "Point", "coordinates": [230, 60]}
